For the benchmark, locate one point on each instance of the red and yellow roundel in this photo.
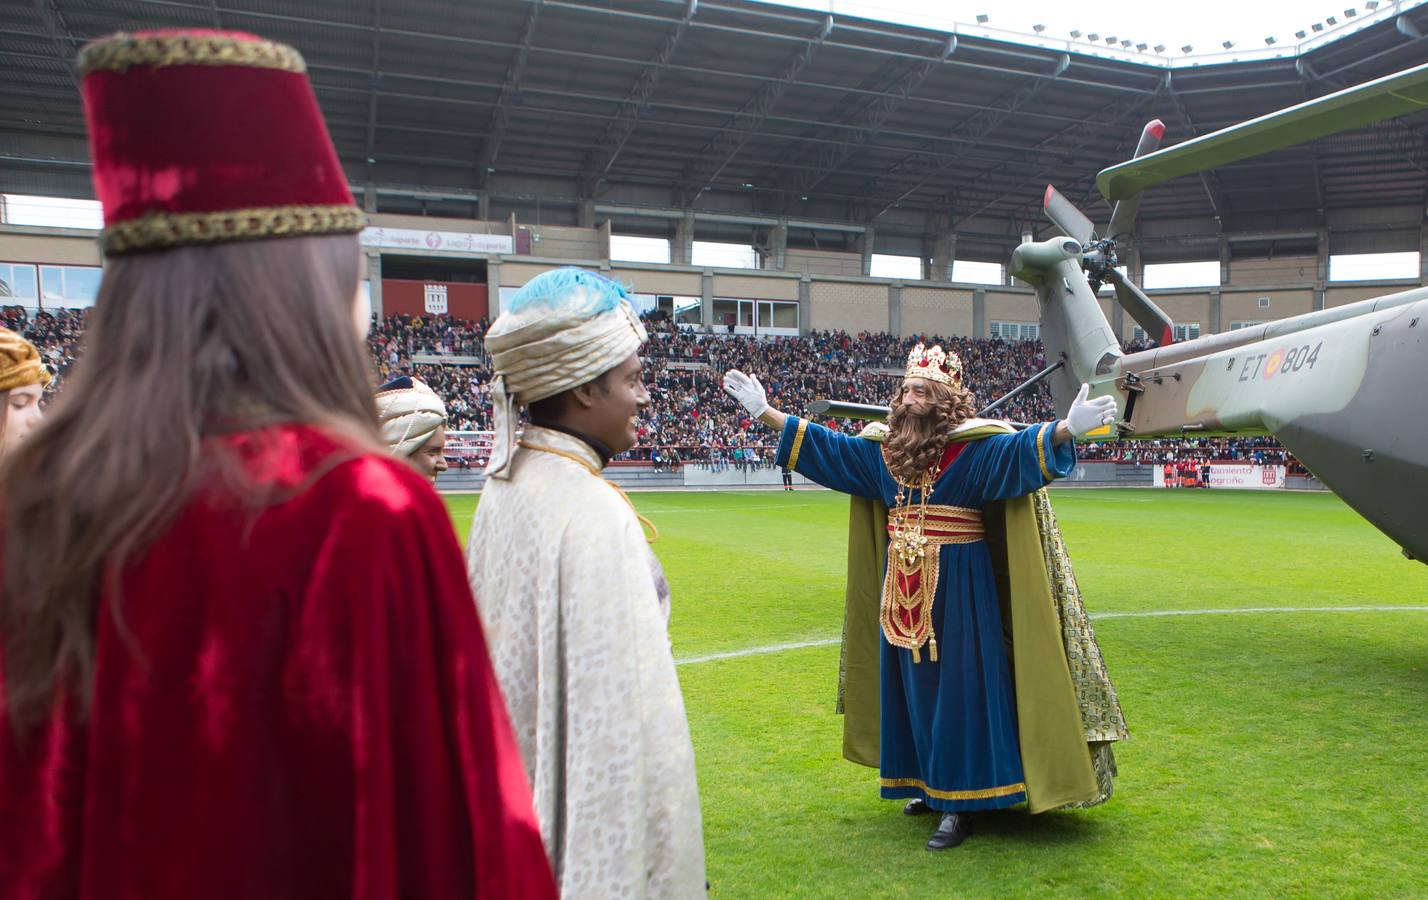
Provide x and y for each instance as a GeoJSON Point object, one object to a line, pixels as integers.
{"type": "Point", "coordinates": [1272, 364]}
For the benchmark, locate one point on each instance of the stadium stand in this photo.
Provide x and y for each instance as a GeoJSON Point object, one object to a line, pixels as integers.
{"type": "Point", "coordinates": [690, 420]}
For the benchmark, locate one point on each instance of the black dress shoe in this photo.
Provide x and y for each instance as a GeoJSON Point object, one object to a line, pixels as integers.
{"type": "Point", "coordinates": [952, 831]}
{"type": "Point", "coordinates": [916, 807]}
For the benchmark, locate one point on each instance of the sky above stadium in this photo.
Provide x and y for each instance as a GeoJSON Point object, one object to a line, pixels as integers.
{"type": "Point", "coordinates": [1204, 25]}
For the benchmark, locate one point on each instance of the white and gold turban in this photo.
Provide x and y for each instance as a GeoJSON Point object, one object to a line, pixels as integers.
{"type": "Point", "coordinates": [566, 327]}
{"type": "Point", "coordinates": [409, 413]}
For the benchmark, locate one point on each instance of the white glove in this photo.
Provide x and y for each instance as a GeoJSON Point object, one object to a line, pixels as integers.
{"type": "Point", "coordinates": [747, 390]}
{"type": "Point", "coordinates": [1085, 416]}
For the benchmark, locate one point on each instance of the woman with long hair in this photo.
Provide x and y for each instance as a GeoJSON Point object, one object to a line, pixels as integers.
{"type": "Point", "coordinates": [23, 377]}
{"type": "Point", "coordinates": [241, 658]}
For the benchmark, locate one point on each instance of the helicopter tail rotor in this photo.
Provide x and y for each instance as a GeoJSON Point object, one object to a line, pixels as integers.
{"type": "Point", "coordinates": [1064, 214]}
{"type": "Point", "coordinates": [1123, 213]}
{"type": "Point", "coordinates": [1151, 318]}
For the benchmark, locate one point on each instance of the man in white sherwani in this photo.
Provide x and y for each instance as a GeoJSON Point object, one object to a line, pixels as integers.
{"type": "Point", "coordinates": [575, 604]}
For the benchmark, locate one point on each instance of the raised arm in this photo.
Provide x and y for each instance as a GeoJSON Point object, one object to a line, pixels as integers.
{"type": "Point", "coordinates": [850, 465]}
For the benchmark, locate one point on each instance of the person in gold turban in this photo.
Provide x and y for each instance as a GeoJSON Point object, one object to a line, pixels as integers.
{"type": "Point", "coordinates": [23, 377]}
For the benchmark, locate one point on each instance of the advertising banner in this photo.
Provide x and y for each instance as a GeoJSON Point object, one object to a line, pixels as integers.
{"type": "Point", "coordinates": [1247, 477]}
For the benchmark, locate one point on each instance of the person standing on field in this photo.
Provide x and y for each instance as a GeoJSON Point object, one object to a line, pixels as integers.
{"type": "Point", "coordinates": [958, 730]}
{"type": "Point", "coordinates": [575, 604]}
{"type": "Point", "coordinates": [240, 655]}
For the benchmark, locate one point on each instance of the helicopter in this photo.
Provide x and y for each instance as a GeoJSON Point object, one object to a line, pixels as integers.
{"type": "Point", "coordinates": [1343, 389]}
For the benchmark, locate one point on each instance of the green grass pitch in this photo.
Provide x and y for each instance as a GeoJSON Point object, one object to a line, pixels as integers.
{"type": "Point", "coordinates": [1271, 754]}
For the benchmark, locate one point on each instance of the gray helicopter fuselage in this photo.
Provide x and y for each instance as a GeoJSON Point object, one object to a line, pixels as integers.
{"type": "Point", "coordinates": [1344, 389]}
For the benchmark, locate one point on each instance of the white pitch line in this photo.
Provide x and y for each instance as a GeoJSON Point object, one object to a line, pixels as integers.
{"type": "Point", "coordinates": [709, 509]}
{"type": "Point", "coordinates": [1148, 614]}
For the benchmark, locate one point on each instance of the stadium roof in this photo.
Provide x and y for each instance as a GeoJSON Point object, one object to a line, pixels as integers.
{"type": "Point", "coordinates": [735, 104]}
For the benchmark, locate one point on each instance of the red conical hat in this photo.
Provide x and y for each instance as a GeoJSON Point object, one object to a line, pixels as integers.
{"type": "Point", "coordinates": [203, 136]}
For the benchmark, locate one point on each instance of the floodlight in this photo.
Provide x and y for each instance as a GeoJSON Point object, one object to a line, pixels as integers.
{"type": "Point", "coordinates": [982, 19]}
{"type": "Point", "coordinates": [1093, 36]}
{"type": "Point", "coordinates": [1269, 40]}
{"type": "Point", "coordinates": [1111, 39]}
{"type": "Point", "coordinates": [1227, 44]}
{"type": "Point", "coordinates": [1186, 49]}
{"type": "Point", "coordinates": [1075, 35]}
{"type": "Point", "coordinates": [1141, 47]}
{"type": "Point", "coordinates": [1350, 13]}
{"type": "Point", "coordinates": [1038, 28]}
{"type": "Point", "coordinates": [1332, 21]}
{"type": "Point", "coordinates": [1371, 4]}
{"type": "Point", "coordinates": [1301, 34]}
{"type": "Point", "coordinates": [1317, 26]}
{"type": "Point", "coordinates": [1127, 43]}
{"type": "Point", "coordinates": [747, 185]}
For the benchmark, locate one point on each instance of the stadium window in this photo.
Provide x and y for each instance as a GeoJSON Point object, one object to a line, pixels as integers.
{"type": "Point", "coordinates": [1236, 326]}
{"type": "Point", "coordinates": [724, 256]}
{"type": "Point", "coordinates": [968, 271]}
{"type": "Point", "coordinates": [776, 315]}
{"type": "Point", "coordinates": [1186, 332]}
{"type": "Point", "coordinates": [51, 212]}
{"type": "Point", "coordinates": [1373, 266]}
{"type": "Point", "coordinates": [367, 298]}
{"type": "Point", "coordinates": [18, 285]}
{"type": "Point", "coordinates": [1016, 331]}
{"type": "Point", "coordinates": [683, 310]}
{"type": "Point", "coordinates": [70, 287]}
{"type": "Point", "coordinates": [629, 248]}
{"type": "Point", "coordinates": [1182, 275]}
{"type": "Point", "coordinates": [886, 265]}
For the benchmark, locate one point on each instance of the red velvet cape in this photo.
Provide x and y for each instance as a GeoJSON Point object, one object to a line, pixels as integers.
{"type": "Point", "coordinates": [305, 708]}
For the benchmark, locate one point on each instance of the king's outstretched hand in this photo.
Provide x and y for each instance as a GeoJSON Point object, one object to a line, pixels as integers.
{"type": "Point", "coordinates": [1085, 416]}
{"type": "Point", "coordinates": [748, 391]}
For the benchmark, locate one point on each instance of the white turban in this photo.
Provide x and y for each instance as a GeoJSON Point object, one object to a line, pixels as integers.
{"type": "Point", "coordinates": [563, 329]}
{"type": "Point", "coordinates": [409, 416]}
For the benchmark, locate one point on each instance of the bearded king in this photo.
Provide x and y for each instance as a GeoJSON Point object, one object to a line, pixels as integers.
{"type": "Point", "coordinates": [970, 677]}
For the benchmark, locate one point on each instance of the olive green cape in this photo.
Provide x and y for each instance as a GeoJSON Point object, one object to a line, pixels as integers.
{"type": "Point", "coordinates": [1067, 711]}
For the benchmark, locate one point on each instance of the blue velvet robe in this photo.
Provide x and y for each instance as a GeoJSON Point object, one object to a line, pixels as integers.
{"type": "Point", "coordinates": [948, 728]}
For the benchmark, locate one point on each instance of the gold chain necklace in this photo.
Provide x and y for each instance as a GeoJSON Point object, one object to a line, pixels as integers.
{"type": "Point", "coordinates": [654, 532]}
{"type": "Point", "coordinates": [909, 543]}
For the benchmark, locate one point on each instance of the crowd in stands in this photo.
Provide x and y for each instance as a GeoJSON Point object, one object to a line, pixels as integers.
{"type": "Point", "coordinates": [55, 334]}
{"type": "Point", "coordinates": [690, 420]}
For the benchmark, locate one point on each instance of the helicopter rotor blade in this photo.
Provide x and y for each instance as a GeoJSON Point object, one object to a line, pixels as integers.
{"type": "Point", "coordinates": [1151, 318]}
{"type": "Point", "coordinates": [1072, 222]}
{"type": "Point", "coordinates": [1123, 214]}
{"type": "Point", "coordinates": [1373, 101]}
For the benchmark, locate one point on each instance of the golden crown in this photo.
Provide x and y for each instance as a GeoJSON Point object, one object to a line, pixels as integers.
{"type": "Point", "coordinates": [935, 364]}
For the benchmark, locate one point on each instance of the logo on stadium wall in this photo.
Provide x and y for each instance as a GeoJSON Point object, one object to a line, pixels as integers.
{"type": "Point", "coordinates": [435, 298]}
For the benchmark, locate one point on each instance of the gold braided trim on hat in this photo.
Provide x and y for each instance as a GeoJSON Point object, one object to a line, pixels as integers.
{"type": "Point", "coordinates": [158, 231]}
{"type": "Point", "coordinates": [119, 52]}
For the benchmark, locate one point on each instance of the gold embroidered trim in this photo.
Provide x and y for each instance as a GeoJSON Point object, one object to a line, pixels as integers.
{"type": "Point", "coordinates": [157, 231]}
{"type": "Point", "coordinates": [980, 794]}
{"type": "Point", "coordinates": [118, 53]}
{"type": "Point", "coordinates": [966, 514]}
{"type": "Point", "coordinates": [654, 532]}
{"type": "Point", "coordinates": [1041, 451]}
{"type": "Point", "coordinates": [797, 444]}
